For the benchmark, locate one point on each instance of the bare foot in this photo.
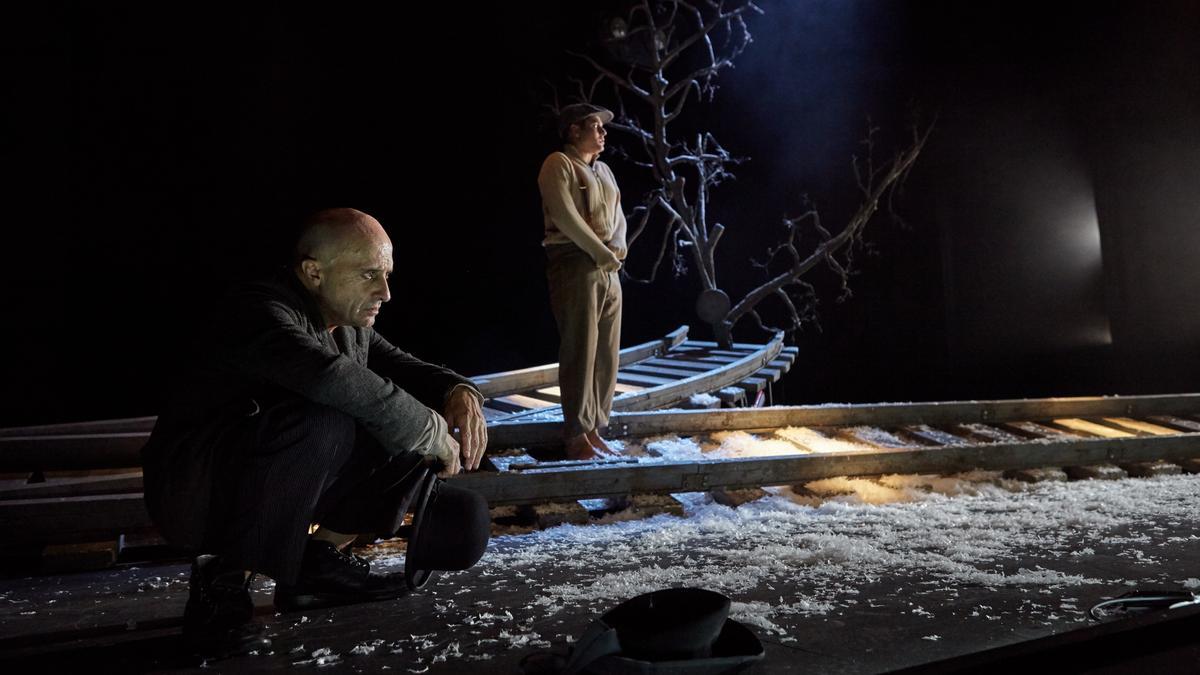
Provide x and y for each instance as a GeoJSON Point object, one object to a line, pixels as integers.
{"type": "Point", "coordinates": [578, 447]}
{"type": "Point", "coordinates": [597, 442]}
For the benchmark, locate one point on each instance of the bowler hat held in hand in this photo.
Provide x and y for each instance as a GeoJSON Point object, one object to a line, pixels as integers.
{"type": "Point", "coordinates": [450, 530]}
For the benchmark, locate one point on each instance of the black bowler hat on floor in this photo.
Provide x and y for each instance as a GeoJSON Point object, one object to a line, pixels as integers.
{"type": "Point", "coordinates": [671, 631]}
{"type": "Point", "coordinates": [450, 530]}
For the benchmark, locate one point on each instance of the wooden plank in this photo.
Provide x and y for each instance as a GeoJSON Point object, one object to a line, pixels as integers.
{"type": "Point", "coordinates": [1089, 427]}
{"type": "Point", "coordinates": [1104, 471]}
{"type": "Point", "coordinates": [504, 406]}
{"type": "Point", "coordinates": [781, 365]}
{"type": "Point", "coordinates": [1151, 469]}
{"type": "Point", "coordinates": [117, 426]}
{"type": "Point", "coordinates": [679, 362]}
{"type": "Point", "coordinates": [550, 394]}
{"type": "Point", "coordinates": [872, 436]}
{"type": "Point", "coordinates": [734, 498]}
{"type": "Point", "coordinates": [634, 378]}
{"type": "Point", "coordinates": [525, 402]}
{"type": "Point", "coordinates": [661, 371]}
{"type": "Point", "coordinates": [672, 392]}
{"type": "Point", "coordinates": [1038, 430]}
{"type": "Point", "coordinates": [927, 433]}
{"type": "Point", "coordinates": [77, 486]}
{"type": "Point", "coordinates": [490, 413]}
{"type": "Point", "coordinates": [755, 472]}
{"type": "Point", "coordinates": [1042, 474]}
{"type": "Point", "coordinates": [752, 385]}
{"type": "Point", "coordinates": [97, 555]}
{"type": "Point", "coordinates": [731, 396]}
{"type": "Point", "coordinates": [1175, 422]}
{"type": "Point", "coordinates": [50, 453]}
{"type": "Point", "coordinates": [984, 433]}
{"type": "Point", "coordinates": [1138, 426]}
{"type": "Point", "coordinates": [769, 373]}
{"type": "Point", "coordinates": [789, 354]}
{"type": "Point", "coordinates": [514, 381]}
{"type": "Point", "coordinates": [737, 346]}
{"type": "Point", "coordinates": [72, 519]}
{"type": "Point", "coordinates": [876, 414]}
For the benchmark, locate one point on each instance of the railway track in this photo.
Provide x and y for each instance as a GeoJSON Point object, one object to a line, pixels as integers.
{"type": "Point", "coordinates": [1032, 439]}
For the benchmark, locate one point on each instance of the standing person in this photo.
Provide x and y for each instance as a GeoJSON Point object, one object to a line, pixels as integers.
{"type": "Point", "coordinates": [585, 244]}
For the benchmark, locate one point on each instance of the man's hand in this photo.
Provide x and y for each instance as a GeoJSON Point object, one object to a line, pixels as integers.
{"type": "Point", "coordinates": [449, 459]}
{"type": "Point", "coordinates": [464, 413]}
{"type": "Point", "coordinates": [610, 263]}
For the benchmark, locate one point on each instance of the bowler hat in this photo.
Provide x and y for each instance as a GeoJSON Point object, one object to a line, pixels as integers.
{"type": "Point", "coordinates": [675, 631]}
{"type": "Point", "coordinates": [450, 530]}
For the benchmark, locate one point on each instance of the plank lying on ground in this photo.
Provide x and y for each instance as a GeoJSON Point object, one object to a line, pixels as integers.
{"type": "Point", "coordinates": [521, 488]}
{"type": "Point", "coordinates": [876, 414]}
{"type": "Point", "coordinates": [86, 451]}
{"type": "Point", "coordinates": [119, 426]}
{"type": "Point", "coordinates": [76, 486]}
{"type": "Point", "coordinates": [71, 518]}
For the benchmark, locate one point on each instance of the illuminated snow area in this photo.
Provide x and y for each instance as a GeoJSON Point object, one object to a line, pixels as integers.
{"type": "Point", "coordinates": [792, 557]}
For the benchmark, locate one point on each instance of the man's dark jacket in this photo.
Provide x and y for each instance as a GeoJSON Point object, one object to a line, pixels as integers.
{"type": "Point", "coordinates": [269, 342]}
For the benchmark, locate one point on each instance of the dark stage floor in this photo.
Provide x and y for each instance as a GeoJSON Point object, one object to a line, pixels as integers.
{"type": "Point", "coordinates": [875, 576]}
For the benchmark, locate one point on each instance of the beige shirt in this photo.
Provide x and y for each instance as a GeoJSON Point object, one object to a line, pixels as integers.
{"type": "Point", "coordinates": [582, 205]}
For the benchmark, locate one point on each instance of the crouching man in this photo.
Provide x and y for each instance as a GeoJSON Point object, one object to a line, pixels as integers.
{"type": "Point", "coordinates": [298, 429]}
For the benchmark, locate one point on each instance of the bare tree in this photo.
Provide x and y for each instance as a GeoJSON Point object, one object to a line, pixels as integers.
{"type": "Point", "coordinates": [664, 54]}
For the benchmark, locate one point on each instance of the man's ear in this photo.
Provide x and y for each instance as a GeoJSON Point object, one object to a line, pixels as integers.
{"type": "Point", "coordinates": [311, 273]}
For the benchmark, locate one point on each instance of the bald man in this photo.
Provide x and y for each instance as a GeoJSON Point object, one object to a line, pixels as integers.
{"type": "Point", "coordinates": [298, 429]}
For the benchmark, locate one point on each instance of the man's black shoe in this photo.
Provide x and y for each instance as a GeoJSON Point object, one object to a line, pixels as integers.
{"type": "Point", "coordinates": [331, 577]}
{"type": "Point", "coordinates": [219, 619]}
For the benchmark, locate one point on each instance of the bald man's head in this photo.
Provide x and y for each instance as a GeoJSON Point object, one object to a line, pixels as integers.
{"type": "Point", "coordinates": [326, 234]}
{"type": "Point", "coordinates": [343, 258]}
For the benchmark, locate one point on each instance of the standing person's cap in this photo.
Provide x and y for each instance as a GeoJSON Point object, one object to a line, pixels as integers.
{"type": "Point", "coordinates": [577, 112]}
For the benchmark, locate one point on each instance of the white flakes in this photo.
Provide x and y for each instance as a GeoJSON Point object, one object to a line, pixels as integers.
{"type": "Point", "coordinates": [523, 640]}
{"type": "Point", "coordinates": [320, 657]}
{"type": "Point", "coordinates": [451, 650]}
{"type": "Point", "coordinates": [704, 400]}
{"type": "Point", "coordinates": [932, 638]}
{"type": "Point", "coordinates": [742, 444]}
{"type": "Point", "coordinates": [366, 648]}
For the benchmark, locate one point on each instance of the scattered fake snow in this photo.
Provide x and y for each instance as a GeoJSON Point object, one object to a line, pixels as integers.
{"type": "Point", "coordinates": [817, 546]}
{"type": "Point", "coordinates": [953, 530]}
{"type": "Point", "coordinates": [726, 444]}
{"type": "Point", "coordinates": [798, 553]}
{"type": "Point", "coordinates": [704, 400]}
{"type": "Point", "coordinates": [320, 657]}
{"type": "Point", "coordinates": [366, 648]}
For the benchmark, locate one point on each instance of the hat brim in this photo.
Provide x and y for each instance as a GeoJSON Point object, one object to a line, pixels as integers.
{"type": "Point", "coordinates": [735, 649]}
{"type": "Point", "coordinates": [415, 577]}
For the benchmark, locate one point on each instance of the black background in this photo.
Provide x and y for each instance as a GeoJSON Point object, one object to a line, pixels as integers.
{"type": "Point", "coordinates": [155, 152]}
